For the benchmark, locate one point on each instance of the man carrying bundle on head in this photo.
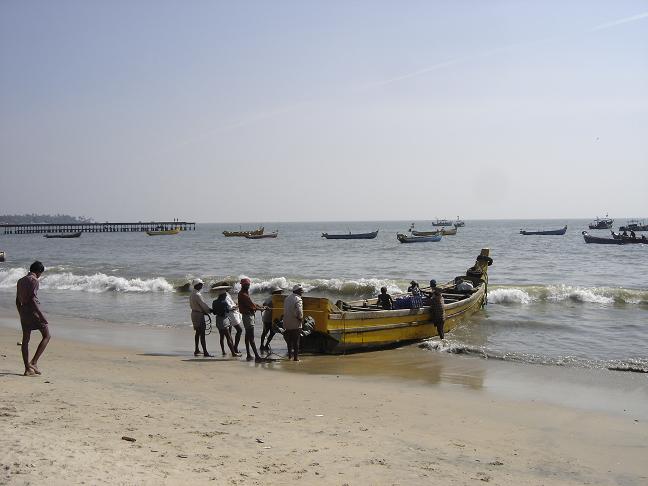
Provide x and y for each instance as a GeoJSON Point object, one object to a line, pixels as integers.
{"type": "Point", "coordinates": [248, 309]}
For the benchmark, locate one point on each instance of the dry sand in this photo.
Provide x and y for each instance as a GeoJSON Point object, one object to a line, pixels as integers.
{"type": "Point", "coordinates": [229, 422]}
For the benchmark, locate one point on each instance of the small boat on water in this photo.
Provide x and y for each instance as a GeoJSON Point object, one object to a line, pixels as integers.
{"type": "Point", "coordinates": [634, 225]}
{"type": "Point", "coordinates": [173, 231]}
{"type": "Point", "coordinates": [362, 325]}
{"type": "Point", "coordinates": [351, 236]}
{"type": "Point", "coordinates": [442, 232]}
{"type": "Point", "coordinates": [602, 223]}
{"type": "Point", "coordinates": [560, 231]}
{"type": "Point", "coordinates": [442, 222]}
{"type": "Point", "coordinates": [425, 233]}
{"type": "Point", "coordinates": [629, 239]}
{"type": "Point", "coordinates": [244, 233]}
{"type": "Point", "coordinates": [459, 223]}
{"type": "Point", "coordinates": [448, 231]}
{"type": "Point", "coordinates": [260, 237]}
{"type": "Point", "coordinates": [418, 239]}
{"type": "Point", "coordinates": [64, 235]}
{"type": "Point", "coordinates": [601, 241]}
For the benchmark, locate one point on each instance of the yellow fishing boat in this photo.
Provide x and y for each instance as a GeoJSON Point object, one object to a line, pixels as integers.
{"type": "Point", "coordinates": [173, 231]}
{"type": "Point", "coordinates": [354, 326]}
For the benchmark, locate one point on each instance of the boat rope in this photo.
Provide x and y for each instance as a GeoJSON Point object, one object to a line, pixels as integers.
{"type": "Point", "coordinates": [208, 325]}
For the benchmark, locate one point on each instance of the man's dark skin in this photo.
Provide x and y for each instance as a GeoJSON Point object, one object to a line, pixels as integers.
{"type": "Point", "coordinates": [31, 367]}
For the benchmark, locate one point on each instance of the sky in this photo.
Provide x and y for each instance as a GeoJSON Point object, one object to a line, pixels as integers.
{"type": "Point", "coordinates": [215, 111]}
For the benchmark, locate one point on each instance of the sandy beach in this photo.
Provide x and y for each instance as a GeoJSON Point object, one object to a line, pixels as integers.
{"type": "Point", "coordinates": [325, 420]}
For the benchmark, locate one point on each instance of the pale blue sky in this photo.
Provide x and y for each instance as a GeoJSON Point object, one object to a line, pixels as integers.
{"type": "Point", "coordinates": [304, 110]}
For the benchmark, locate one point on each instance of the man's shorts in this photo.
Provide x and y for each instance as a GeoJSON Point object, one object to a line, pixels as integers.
{"type": "Point", "coordinates": [223, 323]}
{"type": "Point", "coordinates": [198, 320]}
{"type": "Point", "coordinates": [30, 321]}
{"type": "Point", "coordinates": [248, 322]}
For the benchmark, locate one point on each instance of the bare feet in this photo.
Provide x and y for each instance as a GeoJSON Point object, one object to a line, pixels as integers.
{"type": "Point", "coordinates": [196, 353]}
{"type": "Point", "coordinates": [29, 372]}
{"type": "Point", "coordinates": [235, 355]}
{"type": "Point", "coordinates": [249, 358]}
{"type": "Point", "coordinates": [207, 355]}
{"type": "Point", "coordinates": [295, 359]}
{"type": "Point", "coordinates": [34, 368]}
{"type": "Point", "coordinates": [259, 359]}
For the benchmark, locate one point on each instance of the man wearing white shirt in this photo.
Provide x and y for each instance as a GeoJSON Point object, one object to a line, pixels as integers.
{"type": "Point", "coordinates": [293, 320]}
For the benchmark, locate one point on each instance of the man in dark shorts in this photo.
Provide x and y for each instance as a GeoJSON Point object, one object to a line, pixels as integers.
{"type": "Point", "coordinates": [248, 309]}
{"type": "Point", "coordinates": [31, 317]}
{"type": "Point", "coordinates": [437, 310]}
{"type": "Point", "coordinates": [266, 318]}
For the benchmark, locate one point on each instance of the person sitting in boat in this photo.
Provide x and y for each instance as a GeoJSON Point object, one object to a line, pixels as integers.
{"type": "Point", "coordinates": [384, 300]}
{"type": "Point", "coordinates": [625, 233]}
{"type": "Point", "coordinates": [463, 285]}
{"type": "Point", "coordinates": [415, 290]}
{"type": "Point", "coordinates": [633, 235]}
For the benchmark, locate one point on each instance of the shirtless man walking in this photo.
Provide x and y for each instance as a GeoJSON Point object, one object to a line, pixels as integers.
{"type": "Point", "coordinates": [31, 316]}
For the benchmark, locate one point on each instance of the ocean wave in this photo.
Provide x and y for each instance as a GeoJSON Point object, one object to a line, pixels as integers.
{"type": "Point", "coordinates": [566, 293]}
{"type": "Point", "coordinates": [97, 283]}
{"type": "Point", "coordinates": [636, 365]}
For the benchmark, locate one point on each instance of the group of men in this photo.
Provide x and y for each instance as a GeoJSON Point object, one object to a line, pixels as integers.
{"type": "Point", "coordinates": [230, 316]}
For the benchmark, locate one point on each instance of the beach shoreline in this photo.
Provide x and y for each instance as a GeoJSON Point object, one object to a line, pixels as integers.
{"type": "Point", "coordinates": [321, 420]}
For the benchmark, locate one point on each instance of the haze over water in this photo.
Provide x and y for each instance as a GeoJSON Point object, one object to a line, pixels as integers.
{"type": "Point", "coordinates": [552, 300]}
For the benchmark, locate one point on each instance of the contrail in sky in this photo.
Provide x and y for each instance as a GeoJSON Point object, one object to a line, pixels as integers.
{"type": "Point", "coordinates": [435, 67]}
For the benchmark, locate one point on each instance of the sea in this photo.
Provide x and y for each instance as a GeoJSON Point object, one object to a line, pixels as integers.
{"type": "Point", "coordinates": [552, 300]}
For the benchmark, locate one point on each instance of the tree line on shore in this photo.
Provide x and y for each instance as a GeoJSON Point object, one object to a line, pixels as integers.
{"type": "Point", "coordinates": [43, 218]}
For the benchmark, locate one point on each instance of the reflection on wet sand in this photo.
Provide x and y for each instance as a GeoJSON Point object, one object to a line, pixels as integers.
{"type": "Point", "coordinates": [408, 362]}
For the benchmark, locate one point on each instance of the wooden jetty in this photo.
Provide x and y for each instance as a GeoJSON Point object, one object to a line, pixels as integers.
{"type": "Point", "coordinates": [140, 226]}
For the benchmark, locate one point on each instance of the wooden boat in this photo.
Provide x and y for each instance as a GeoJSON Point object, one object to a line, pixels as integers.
{"type": "Point", "coordinates": [560, 231]}
{"type": "Point", "coordinates": [601, 241]}
{"type": "Point", "coordinates": [442, 222]}
{"type": "Point", "coordinates": [417, 239]}
{"type": "Point", "coordinates": [64, 235]}
{"type": "Point", "coordinates": [629, 239]}
{"type": "Point", "coordinates": [2, 256]}
{"type": "Point", "coordinates": [425, 233]}
{"type": "Point", "coordinates": [259, 237]}
{"type": "Point", "coordinates": [343, 327]}
{"type": "Point", "coordinates": [449, 231]}
{"type": "Point", "coordinates": [243, 233]}
{"type": "Point", "coordinates": [173, 231]}
{"type": "Point", "coordinates": [459, 223]}
{"type": "Point", "coordinates": [602, 223]}
{"type": "Point", "coordinates": [634, 225]}
{"type": "Point", "coordinates": [351, 236]}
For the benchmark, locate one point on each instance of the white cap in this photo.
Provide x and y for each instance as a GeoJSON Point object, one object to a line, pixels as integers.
{"type": "Point", "coordinates": [196, 281]}
{"type": "Point", "coordinates": [297, 288]}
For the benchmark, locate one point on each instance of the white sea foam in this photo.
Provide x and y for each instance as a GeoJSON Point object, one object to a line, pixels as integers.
{"type": "Point", "coordinates": [509, 296]}
{"type": "Point", "coordinates": [577, 294]}
{"type": "Point", "coordinates": [8, 278]}
{"type": "Point", "coordinates": [100, 282]}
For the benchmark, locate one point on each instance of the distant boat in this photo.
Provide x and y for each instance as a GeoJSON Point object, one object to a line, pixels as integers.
{"type": "Point", "coordinates": [442, 222]}
{"type": "Point", "coordinates": [601, 241]}
{"type": "Point", "coordinates": [259, 237]}
{"type": "Point", "coordinates": [442, 231]}
{"type": "Point", "coordinates": [2, 256]}
{"type": "Point", "coordinates": [634, 225]}
{"type": "Point", "coordinates": [425, 233]}
{"type": "Point", "coordinates": [602, 223]}
{"type": "Point", "coordinates": [560, 231]}
{"type": "Point", "coordinates": [351, 236]}
{"type": "Point", "coordinates": [448, 231]}
{"type": "Point", "coordinates": [173, 231]}
{"type": "Point", "coordinates": [417, 239]}
{"type": "Point", "coordinates": [64, 235]}
{"type": "Point", "coordinates": [244, 233]}
{"type": "Point", "coordinates": [459, 223]}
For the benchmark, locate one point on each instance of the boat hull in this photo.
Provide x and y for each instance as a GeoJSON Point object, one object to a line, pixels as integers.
{"type": "Point", "coordinates": [558, 232]}
{"type": "Point", "coordinates": [242, 234]}
{"type": "Point", "coordinates": [356, 329]}
{"type": "Point", "coordinates": [418, 239]}
{"type": "Point", "coordinates": [351, 236]}
{"type": "Point", "coordinates": [163, 232]}
{"type": "Point", "coordinates": [261, 237]}
{"type": "Point", "coordinates": [601, 241]}
{"type": "Point", "coordinates": [64, 235]}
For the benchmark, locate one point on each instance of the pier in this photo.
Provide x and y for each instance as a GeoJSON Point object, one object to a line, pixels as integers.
{"type": "Point", "coordinates": [140, 226]}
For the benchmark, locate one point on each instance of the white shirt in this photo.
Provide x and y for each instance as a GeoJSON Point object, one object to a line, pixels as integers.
{"type": "Point", "coordinates": [293, 312]}
{"type": "Point", "coordinates": [197, 303]}
{"type": "Point", "coordinates": [234, 315]}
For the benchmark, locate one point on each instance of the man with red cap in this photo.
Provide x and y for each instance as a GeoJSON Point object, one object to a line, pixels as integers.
{"type": "Point", "coordinates": [248, 309]}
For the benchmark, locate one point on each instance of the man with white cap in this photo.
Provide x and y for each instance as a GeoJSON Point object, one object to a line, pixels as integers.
{"type": "Point", "coordinates": [293, 320]}
{"type": "Point", "coordinates": [248, 309]}
{"type": "Point", "coordinates": [198, 311]}
{"type": "Point", "coordinates": [222, 309]}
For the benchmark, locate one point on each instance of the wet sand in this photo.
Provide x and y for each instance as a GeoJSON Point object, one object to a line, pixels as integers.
{"type": "Point", "coordinates": [403, 416]}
